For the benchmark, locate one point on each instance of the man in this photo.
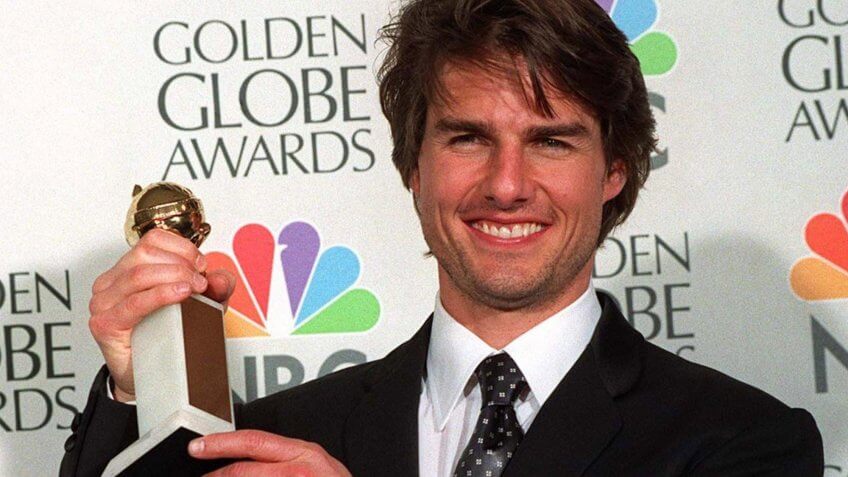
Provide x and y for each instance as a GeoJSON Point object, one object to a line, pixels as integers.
{"type": "Point", "coordinates": [523, 130]}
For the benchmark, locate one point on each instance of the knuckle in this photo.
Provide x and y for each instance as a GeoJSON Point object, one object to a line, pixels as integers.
{"type": "Point", "coordinates": [134, 304]}
{"type": "Point", "coordinates": [186, 273]}
{"type": "Point", "coordinates": [97, 304]}
{"type": "Point", "coordinates": [316, 454]}
{"type": "Point", "coordinates": [313, 449]}
{"type": "Point", "coordinates": [163, 294]}
{"type": "Point", "coordinates": [255, 439]}
{"type": "Point", "coordinates": [151, 236]}
{"type": "Point", "coordinates": [143, 251]}
{"type": "Point", "coordinates": [95, 325]}
{"type": "Point", "coordinates": [98, 326]}
{"type": "Point", "coordinates": [99, 283]}
{"type": "Point", "coordinates": [136, 275]}
{"type": "Point", "coordinates": [94, 305]}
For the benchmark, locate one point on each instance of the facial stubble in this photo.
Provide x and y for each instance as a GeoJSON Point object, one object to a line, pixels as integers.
{"type": "Point", "coordinates": [504, 289]}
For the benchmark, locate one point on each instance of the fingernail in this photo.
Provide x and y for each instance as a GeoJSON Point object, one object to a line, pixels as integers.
{"type": "Point", "coordinates": [199, 281]}
{"type": "Point", "coordinates": [196, 446]}
{"type": "Point", "coordinates": [200, 263]}
{"type": "Point", "coordinates": [181, 288]}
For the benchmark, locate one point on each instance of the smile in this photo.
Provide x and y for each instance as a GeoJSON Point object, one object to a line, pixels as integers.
{"type": "Point", "coordinates": [512, 231]}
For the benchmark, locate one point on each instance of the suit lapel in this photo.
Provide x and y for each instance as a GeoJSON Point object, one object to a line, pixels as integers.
{"type": "Point", "coordinates": [571, 430]}
{"type": "Point", "coordinates": [572, 427]}
{"type": "Point", "coordinates": [381, 435]}
{"type": "Point", "coordinates": [580, 418]}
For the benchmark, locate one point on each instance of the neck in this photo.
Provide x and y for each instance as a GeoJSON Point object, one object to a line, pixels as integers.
{"type": "Point", "coordinates": [498, 327]}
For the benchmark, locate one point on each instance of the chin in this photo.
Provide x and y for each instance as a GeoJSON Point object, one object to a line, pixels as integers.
{"type": "Point", "coordinates": [505, 293]}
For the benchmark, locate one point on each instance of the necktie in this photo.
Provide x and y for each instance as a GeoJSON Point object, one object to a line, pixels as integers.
{"type": "Point", "coordinates": [497, 433]}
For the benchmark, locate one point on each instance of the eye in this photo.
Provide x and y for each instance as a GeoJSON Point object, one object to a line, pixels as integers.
{"type": "Point", "coordinates": [549, 142]}
{"type": "Point", "coordinates": [465, 139]}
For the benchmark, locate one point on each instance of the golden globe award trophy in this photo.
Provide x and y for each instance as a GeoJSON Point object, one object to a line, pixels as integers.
{"type": "Point", "coordinates": [178, 352]}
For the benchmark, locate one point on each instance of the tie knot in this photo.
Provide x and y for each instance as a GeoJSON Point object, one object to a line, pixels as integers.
{"type": "Point", "coordinates": [500, 380]}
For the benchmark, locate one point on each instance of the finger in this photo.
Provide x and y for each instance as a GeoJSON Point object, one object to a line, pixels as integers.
{"type": "Point", "coordinates": [143, 277]}
{"type": "Point", "coordinates": [162, 247]}
{"type": "Point", "coordinates": [221, 285]}
{"type": "Point", "coordinates": [127, 313]}
{"type": "Point", "coordinates": [262, 469]}
{"type": "Point", "coordinates": [171, 242]}
{"type": "Point", "coordinates": [250, 444]}
{"type": "Point", "coordinates": [142, 254]}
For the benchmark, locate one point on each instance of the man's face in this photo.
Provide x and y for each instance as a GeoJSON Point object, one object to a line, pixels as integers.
{"type": "Point", "coordinates": [510, 201]}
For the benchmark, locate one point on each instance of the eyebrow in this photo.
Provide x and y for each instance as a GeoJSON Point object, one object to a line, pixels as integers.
{"type": "Point", "coordinates": [575, 130]}
{"type": "Point", "coordinates": [571, 129]}
{"type": "Point", "coordinates": [462, 125]}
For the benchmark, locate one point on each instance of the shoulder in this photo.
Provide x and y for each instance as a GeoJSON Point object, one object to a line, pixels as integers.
{"type": "Point", "coordinates": [650, 383]}
{"type": "Point", "coordinates": [702, 392]}
{"type": "Point", "coordinates": [722, 415]}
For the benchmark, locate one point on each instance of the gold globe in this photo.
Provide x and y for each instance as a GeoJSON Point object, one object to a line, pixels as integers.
{"type": "Point", "coordinates": [167, 206]}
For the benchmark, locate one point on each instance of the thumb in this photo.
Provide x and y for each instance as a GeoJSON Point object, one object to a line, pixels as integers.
{"type": "Point", "coordinates": [221, 285]}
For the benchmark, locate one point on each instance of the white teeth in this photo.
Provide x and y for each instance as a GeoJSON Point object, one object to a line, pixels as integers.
{"type": "Point", "coordinates": [505, 232]}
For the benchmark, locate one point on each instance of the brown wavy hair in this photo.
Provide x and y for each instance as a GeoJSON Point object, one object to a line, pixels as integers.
{"type": "Point", "coordinates": [570, 45]}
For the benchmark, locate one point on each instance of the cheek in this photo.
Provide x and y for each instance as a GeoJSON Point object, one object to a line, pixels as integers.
{"type": "Point", "coordinates": [569, 188]}
{"type": "Point", "coordinates": [443, 184]}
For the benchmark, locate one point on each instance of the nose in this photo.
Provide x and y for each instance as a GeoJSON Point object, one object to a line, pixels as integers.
{"type": "Point", "coordinates": [507, 185]}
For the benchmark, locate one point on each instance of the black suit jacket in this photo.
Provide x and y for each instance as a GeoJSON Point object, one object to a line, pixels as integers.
{"type": "Point", "coordinates": [626, 408]}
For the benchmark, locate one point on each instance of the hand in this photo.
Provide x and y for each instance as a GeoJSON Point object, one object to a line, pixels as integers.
{"type": "Point", "coordinates": [268, 454]}
{"type": "Point", "coordinates": [161, 269]}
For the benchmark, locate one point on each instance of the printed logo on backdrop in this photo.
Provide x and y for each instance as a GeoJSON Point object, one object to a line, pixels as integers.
{"type": "Point", "coordinates": [822, 277]}
{"type": "Point", "coordinates": [648, 277]}
{"type": "Point", "coordinates": [656, 51]}
{"type": "Point", "coordinates": [814, 66]}
{"type": "Point", "coordinates": [319, 296]}
{"type": "Point", "coordinates": [287, 284]}
{"type": "Point", "coordinates": [648, 274]}
{"type": "Point", "coordinates": [265, 97]}
{"type": "Point", "coordinates": [37, 387]}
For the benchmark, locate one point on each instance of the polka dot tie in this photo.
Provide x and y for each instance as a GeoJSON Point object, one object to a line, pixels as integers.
{"type": "Point", "coordinates": [497, 433]}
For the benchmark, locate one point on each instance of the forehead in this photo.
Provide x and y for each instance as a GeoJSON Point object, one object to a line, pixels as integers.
{"type": "Point", "coordinates": [464, 88]}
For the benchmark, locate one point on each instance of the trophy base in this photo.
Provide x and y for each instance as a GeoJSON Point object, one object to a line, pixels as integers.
{"type": "Point", "coordinates": [164, 450]}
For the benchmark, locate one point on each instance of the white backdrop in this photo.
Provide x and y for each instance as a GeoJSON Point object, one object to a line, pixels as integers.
{"type": "Point", "coordinates": [703, 266]}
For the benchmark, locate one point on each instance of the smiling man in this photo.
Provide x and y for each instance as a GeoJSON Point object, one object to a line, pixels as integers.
{"type": "Point", "coordinates": [510, 198]}
{"type": "Point", "coordinates": [523, 130]}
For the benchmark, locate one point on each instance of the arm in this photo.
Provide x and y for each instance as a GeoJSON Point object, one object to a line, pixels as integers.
{"type": "Point", "coordinates": [104, 429]}
{"type": "Point", "coordinates": [160, 270]}
{"type": "Point", "coordinates": [788, 445]}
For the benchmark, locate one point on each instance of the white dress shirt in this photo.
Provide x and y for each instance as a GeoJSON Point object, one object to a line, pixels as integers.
{"type": "Point", "coordinates": [450, 397]}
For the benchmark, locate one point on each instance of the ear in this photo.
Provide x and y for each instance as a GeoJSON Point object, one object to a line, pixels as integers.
{"type": "Point", "coordinates": [415, 187]}
{"type": "Point", "coordinates": [615, 179]}
{"type": "Point", "coordinates": [414, 182]}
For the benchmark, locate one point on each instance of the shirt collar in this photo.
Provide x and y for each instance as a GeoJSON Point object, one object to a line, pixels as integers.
{"type": "Point", "coordinates": [545, 353]}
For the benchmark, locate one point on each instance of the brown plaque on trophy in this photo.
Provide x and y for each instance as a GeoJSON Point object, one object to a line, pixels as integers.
{"type": "Point", "coordinates": [178, 352]}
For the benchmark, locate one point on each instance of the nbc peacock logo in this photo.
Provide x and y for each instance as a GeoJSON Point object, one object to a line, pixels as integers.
{"type": "Point", "coordinates": [656, 51]}
{"type": "Point", "coordinates": [824, 275]}
{"type": "Point", "coordinates": [313, 292]}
